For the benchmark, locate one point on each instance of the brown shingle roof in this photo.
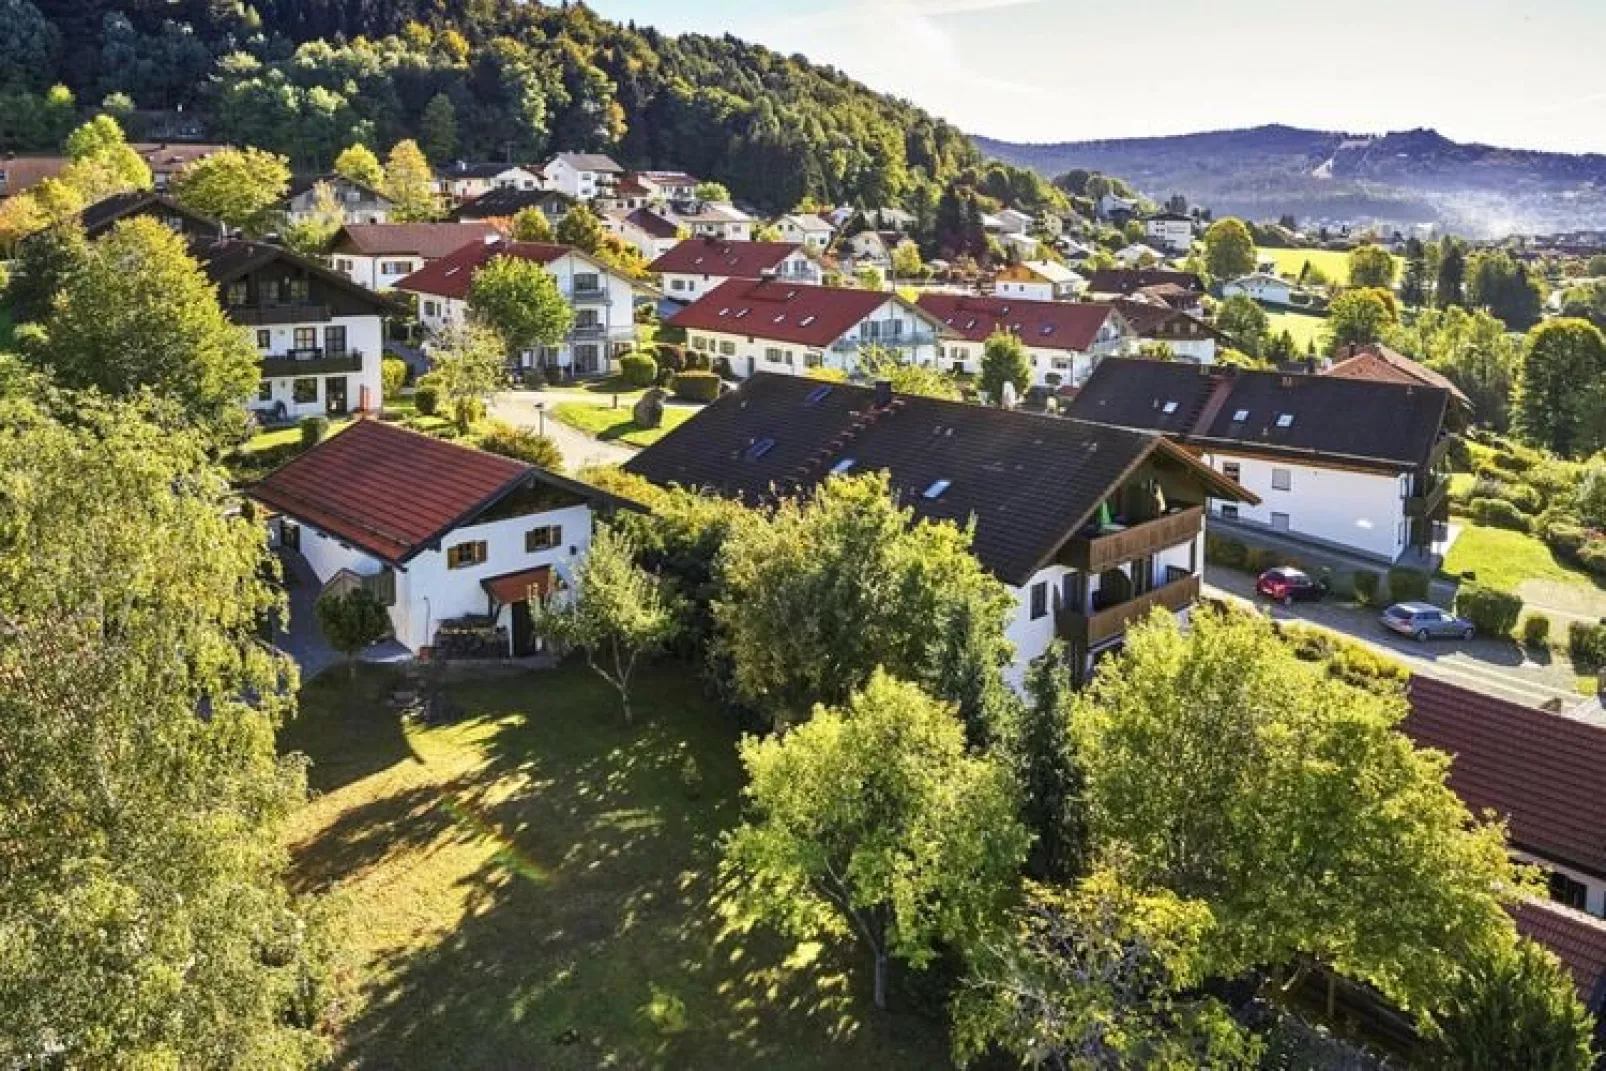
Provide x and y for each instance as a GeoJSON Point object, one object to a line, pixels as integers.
{"type": "Point", "coordinates": [507, 202]}
{"type": "Point", "coordinates": [799, 313]}
{"type": "Point", "coordinates": [1381, 363]}
{"type": "Point", "coordinates": [1577, 939]}
{"type": "Point", "coordinates": [1130, 280]}
{"type": "Point", "coordinates": [1060, 325]}
{"type": "Point", "coordinates": [716, 256]}
{"type": "Point", "coordinates": [428, 240]}
{"type": "Point", "coordinates": [451, 275]}
{"type": "Point", "coordinates": [25, 172]}
{"type": "Point", "coordinates": [1546, 773]}
{"type": "Point", "coordinates": [652, 224]}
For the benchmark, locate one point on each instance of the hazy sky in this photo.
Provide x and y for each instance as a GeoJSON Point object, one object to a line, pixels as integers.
{"type": "Point", "coordinates": [1510, 73]}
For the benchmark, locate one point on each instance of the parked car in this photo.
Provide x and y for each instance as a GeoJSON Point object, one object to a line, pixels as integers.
{"type": "Point", "coordinates": [1288, 586]}
{"type": "Point", "coordinates": [1423, 621]}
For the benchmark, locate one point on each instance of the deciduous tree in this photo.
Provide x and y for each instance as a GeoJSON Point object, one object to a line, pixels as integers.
{"type": "Point", "coordinates": [531, 225]}
{"type": "Point", "coordinates": [1004, 361]}
{"type": "Point", "coordinates": [311, 235]}
{"type": "Point", "coordinates": [44, 264]}
{"type": "Point", "coordinates": [1241, 317]}
{"type": "Point", "coordinates": [1371, 266]}
{"type": "Point", "coordinates": [1229, 249]}
{"type": "Point", "coordinates": [468, 362]}
{"type": "Point", "coordinates": [359, 164]}
{"type": "Point", "coordinates": [580, 229]}
{"type": "Point", "coordinates": [1514, 1006]}
{"type": "Point", "coordinates": [906, 262]}
{"type": "Point", "coordinates": [236, 186]}
{"type": "Point", "coordinates": [879, 362]}
{"type": "Point", "coordinates": [1358, 318]}
{"type": "Point", "coordinates": [520, 300]}
{"type": "Point", "coordinates": [437, 128]}
{"type": "Point", "coordinates": [351, 622]}
{"type": "Point", "coordinates": [712, 191]}
{"type": "Point", "coordinates": [410, 184]}
{"type": "Point", "coordinates": [1561, 395]}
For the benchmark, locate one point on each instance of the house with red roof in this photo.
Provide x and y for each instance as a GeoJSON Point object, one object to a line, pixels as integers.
{"type": "Point", "coordinates": [602, 299]}
{"type": "Point", "coordinates": [652, 231]}
{"type": "Point", "coordinates": [438, 532]}
{"type": "Point", "coordinates": [697, 265]}
{"type": "Point", "coordinates": [777, 325]}
{"type": "Point", "coordinates": [1064, 339]}
{"type": "Point", "coordinates": [379, 255]}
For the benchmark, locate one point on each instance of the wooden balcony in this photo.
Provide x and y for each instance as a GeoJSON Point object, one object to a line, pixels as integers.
{"type": "Point", "coordinates": [1096, 553]}
{"type": "Point", "coordinates": [1089, 630]}
{"type": "Point", "coordinates": [1431, 503]}
{"type": "Point", "coordinates": [267, 315]}
{"type": "Point", "coordinates": [310, 363]}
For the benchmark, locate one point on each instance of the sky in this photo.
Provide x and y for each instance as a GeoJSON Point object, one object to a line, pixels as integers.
{"type": "Point", "coordinates": [1516, 74]}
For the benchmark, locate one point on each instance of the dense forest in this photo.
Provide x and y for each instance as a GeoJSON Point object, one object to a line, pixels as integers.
{"type": "Point", "coordinates": [473, 79]}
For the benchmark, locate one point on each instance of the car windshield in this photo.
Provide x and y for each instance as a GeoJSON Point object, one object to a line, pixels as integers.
{"type": "Point", "coordinates": [1400, 612]}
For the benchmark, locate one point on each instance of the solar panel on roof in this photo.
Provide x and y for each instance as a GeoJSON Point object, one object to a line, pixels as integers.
{"type": "Point", "coordinates": [817, 395]}
{"type": "Point", "coordinates": [759, 449]}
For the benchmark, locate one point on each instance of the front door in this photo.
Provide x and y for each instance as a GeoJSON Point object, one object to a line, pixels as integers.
{"type": "Point", "coordinates": [524, 638]}
{"type": "Point", "coordinates": [334, 393]}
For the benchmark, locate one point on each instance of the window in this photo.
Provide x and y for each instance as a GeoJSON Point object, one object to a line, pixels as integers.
{"type": "Point", "coordinates": [1285, 420]}
{"type": "Point", "coordinates": [237, 294]}
{"type": "Point", "coordinates": [304, 390]}
{"type": "Point", "coordinates": [334, 341]}
{"type": "Point", "coordinates": [758, 449]}
{"type": "Point", "coordinates": [937, 488]}
{"type": "Point", "coordinates": [775, 356]}
{"type": "Point", "coordinates": [1240, 416]}
{"type": "Point", "coordinates": [1281, 479]}
{"type": "Point", "coordinates": [1565, 890]}
{"type": "Point", "coordinates": [677, 284]}
{"type": "Point", "coordinates": [432, 308]}
{"type": "Point", "coordinates": [727, 349]}
{"type": "Point", "coordinates": [587, 281]}
{"type": "Point", "coordinates": [1279, 522]}
{"type": "Point", "coordinates": [464, 555]}
{"type": "Point", "coordinates": [1399, 534]}
{"type": "Point", "coordinates": [306, 338]}
{"type": "Point", "coordinates": [1230, 470]}
{"type": "Point", "coordinates": [1229, 511]}
{"type": "Point", "coordinates": [265, 391]}
{"type": "Point", "coordinates": [1169, 408]}
{"type": "Point", "coordinates": [267, 292]}
{"type": "Point", "coordinates": [264, 339]}
{"type": "Point", "coordinates": [586, 318]}
{"type": "Point", "coordinates": [1039, 600]}
{"type": "Point", "coordinates": [698, 342]}
{"type": "Point", "coordinates": [545, 537]}
{"type": "Point", "coordinates": [395, 267]}
{"type": "Point", "coordinates": [300, 292]}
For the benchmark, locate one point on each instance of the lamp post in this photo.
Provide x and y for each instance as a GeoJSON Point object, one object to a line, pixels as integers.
{"type": "Point", "coordinates": [540, 412]}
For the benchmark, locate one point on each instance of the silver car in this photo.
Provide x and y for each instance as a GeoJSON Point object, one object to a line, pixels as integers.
{"type": "Point", "coordinates": [1423, 621]}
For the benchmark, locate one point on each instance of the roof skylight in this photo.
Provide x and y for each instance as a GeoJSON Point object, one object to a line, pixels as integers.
{"type": "Point", "coordinates": [759, 448]}
{"type": "Point", "coordinates": [842, 466]}
{"type": "Point", "coordinates": [1240, 416]}
{"type": "Point", "coordinates": [1169, 407]}
{"type": "Point", "coordinates": [1285, 420]}
{"type": "Point", "coordinates": [936, 489]}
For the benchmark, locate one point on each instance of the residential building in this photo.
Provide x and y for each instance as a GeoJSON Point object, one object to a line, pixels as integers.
{"type": "Point", "coordinates": [775, 325]}
{"type": "Point", "coordinates": [889, 218]}
{"type": "Point", "coordinates": [101, 216]}
{"type": "Point", "coordinates": [666, 186]}
{"type": "Point", "coordinates": [603, 301]}
{"type": "Point", "coordinates": [1351, 464]}
{"type": "Point", "coordinates": [1379, 362]}
{"type": "Point", "coordinates": [1170, 231]}
{"type": "Point", "coordinates": [1091, 527]}
{"type": "Point", "coordinates": [806, 229]}
{"type": "Point", "coordinates": [1579, 942]}
{"type": "Point", "coordinates": [580, 175]}
{"type": "Point", "coordinates": [505, 203]}
{"type": "Point", "coordinates": [1188, 337]}
{"type": "Point", "coordinates": [380, 255]}
{"type": "Point", "coordinates": [1116, 210]}
{"type": "Point", "coordinates": [1064, 339]}
{"type": "Point", "coordinates": [320, 335]}
{"type": "Point", "coordinates": [20, 173]}
{"type": "Point", "coordinates": [1126, 282]}
{"type": "Point", "coordinates": [167, 159]}
{"type": "Point", "coordinates": [358, 203]}
{"type": "Point", "coordinates": [463, 181]}
{"type": "Point", "coordinates": [697, 265]}
{"type": "Point", "coordinates": [1038, 280]}
{"type": "Point", "coordinates": [1261, 286]}
{"type": "Point", "coordinates": [869, 249]}
{"type": "Point", "coordinates": [653, 232]}
{"type": "Point", "coordinates": [442, 534]}
{"type": "Point", "coordinates": [713, 219]}
{"type": "Point", "coordinates": [1138, 255]}
{"type": "Point", "coordinates": [1014, 221]}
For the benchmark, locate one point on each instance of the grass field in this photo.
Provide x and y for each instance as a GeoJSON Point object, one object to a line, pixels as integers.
{"type": "Point", "coordinates": [1332, 263]}
{"type": "Point", "coordinates": [537, 886]}
{"type": "Point", "coordinates": [1505, 559]}
{"type": "Point", "coordinates": [1306, 329]}
{"type": "Point", "coordinates": [616, 425]}
{"type": "Point", "coordinates": [614, 384]}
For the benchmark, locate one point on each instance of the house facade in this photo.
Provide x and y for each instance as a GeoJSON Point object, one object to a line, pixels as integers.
{"type": "Point", "coordinates": [580, 175]}
{"type": "Point", "coordinates": [713, 219]}
{"type": "Point", "coordinates": [693, 267]}
{"type": "Point", "coordinates": [1116, 529]}
{"type": "Point", "coordinates": [1064, 340]}
{"type": "Point", "coordinates": [1170, 231]}
{"type": "Point", "coordinates": [503, 204]}
{"type": "Point", "coordinates": [1038, 280]}
{"type": "Point", "coordinates": [463, 181]}
{"type": "Point", "coordinates": [380, 255]}
{"type": "Point", "coordinates": [358, 203]}
{"type": "Point", "coordinates": [101, 216]}
{"type": "Point", "coordinates": [653, 233]}
{"type": "Point", "coordinates": [1261, 286]}
{"type": "Point", "coordinates": [806, 229]}
{"type": "Point", "coordinates": [1187, 337]}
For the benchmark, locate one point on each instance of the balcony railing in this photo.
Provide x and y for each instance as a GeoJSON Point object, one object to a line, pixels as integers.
{"type": "Point", "coordinates": [310, 363]}
{"type": "Point", "coordinates": [588, 295]}
{"type": "Point", "coordinates": [1428, 503]}
{"type": "Point", "coordinates": [891, 342]}
{"type": "Point", "coordinates": [1090, 630]}
{"type": "Point", "coordinates": [264, 315]}
{"type": "Point", "coordinates": [1097, 552]}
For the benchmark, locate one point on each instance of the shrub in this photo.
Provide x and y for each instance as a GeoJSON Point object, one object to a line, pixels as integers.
{"type": "Point", "coordinates": [648, 412]}
{"type": "Point", "coordinates": [1564, 538]}
{"type": "Point", "coordinates": [638, 369]}
{"type": "Point", "coordinates": [1407, 585]}
{"type": "Point", "coordinates": [1592, 556]}
{"type": "Point", "coordinates": [1224, 550]}
{"type": "Point", "coordinates": [427, 399]}
{"type": "Point", "coordinates": [1522, 496]}
{"type": "Point", "coordinates": [1364, 668]}
{"type": "Point", "coordinates": [1498, 513]}
{"type": "Point", "coordinates": [1512, 461]}
{"type": "Point", "coordinates": [1365, 584]}
{"type": "Point", "coordinates": [521, 444]}
{"type": "Point", "coordinates": [533, 378]}
{"type": "Point", "coordinates": [392, 375]}
{"type": "Point", "coordinates": [670, 357]}
{"type": "Point", "coordinates": [313, 429]}
{"type": "Point", "coordinates": [1493, 613]}
{"type": "Point", "coordinates": [1536, 630]}
{"type": "Point", "coordinates": [696, 386]}
{"type": "Point", "coordinates": [1586, 643]}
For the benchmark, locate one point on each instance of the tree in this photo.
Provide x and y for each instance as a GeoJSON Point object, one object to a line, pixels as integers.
{"type": "Point", "coordinates": [410, 184]}
{"type": "Point", "coordinates": [1044, 758]}
{"type": "Point", "coordinates": [235, 186]}
{"type": "Point", "coordinates": [1450, 286]}
{"type": "Point", "coordinates": [869, 277]}
{"type": "Point", "coordinates": [140, 313]}
{"type": "Point", "coordinates": [351, 622]}
{"type": "Point", "coordinates": [359, 164]}
{"type": "Point", "coordinates": [906, 262]}
{"type": "Point", "coordinates": [520, 300]}
{"type": "Point", "coordinates": [879, 362]}
{"type": "Point", "coordinates": [1414, 285]}
{"type": "Point", "coordinates": [1229, 249]}
{"type": "Point", "coordinates": [1514, 1006]}
{"type": "Point", "coordinates": [531, 225]}
{"type": "Point", "coordinates": [873, 820]}
{"type": "Point", "coordinates": [437, 128]}
{"type": "Point", "coordinates": [1242, 318]}
{"type": "Point", "coordinates": [1222, 768]}
{"type": "Point", "coordinates": [617, 613]}
{"type": "Point", "coordinates": [712, 191]}
{"type": "Point", "coordinates": [141, 799]}
{"type": "Point", "coordinates": [1358, 318]}
{"type": "Point", "coordinates": [1371, 266]}
{"type": "Point", "coordinates": [1561, 400]}
{"type": "Point", "coordinates": [818, 595]}
{"type": "Point", "coordinates": [44, 264]}
{"type": "Point", "coordinates": [28, 43]}
{"type": "Point", "coordinates": [1004, 362]}
{"type": "Point", "coordinates": [311, 235]}
{"type": "Point", "coordinates": [520, 443]}
{"type": "Point", "coordinates": [1474, 350]}
{"type": "Point", "coordinates": [1503, 286]}
{"type": "Point", "coordinates": [98, 148]}
{"type": "Point", "coordinates": [468, 361]}
{"type": "Point", "coordinates": [580, 229]}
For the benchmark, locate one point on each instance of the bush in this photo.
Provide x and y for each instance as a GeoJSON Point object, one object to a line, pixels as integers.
{"type": "Point", "coordinates": [521, 444]}
{"type": "Point", "coordinates": [1566, 539]}
{"type": "Point", "coordinates": [313, 429]}
{"type": "Point", "coordinates": [1459, 454]}
{"type": "Point", "coordinates": [1407, 585]}
{"type": "Point", "coordinates": [533, 378]}
{"type": "Point", "coordinates": [1493, 613]}
{"type": "Point", "coordinates": [1365, 583]}
{"type": "Point", "coordinates": [1592, 556]}
{"type": "Point", "coordinates": [1224, 550]}
{"type": "Point", "coordinates": [648, 412]}
{"type": "Point", "coordinates": [392, 375]}
{"type": "Point", "coordinates": [670, 357]}
{"type": "Point", "coordinates": [1498, 513]}
{"type": "Point", "coordinates": [638, 369]}
{"type": "Point", "coordinates": [427, 399]}
{"type": "Point", "coordinates": [1363, 667]}
{"type": "Point", "coordinates": [696, 386]}
{"type": "Point", "coordinates": [1522, 496]}
{"type": "Point", "coordinates": [1536, 630]}
{"type": "Point", "coordinates": [1586, 643]}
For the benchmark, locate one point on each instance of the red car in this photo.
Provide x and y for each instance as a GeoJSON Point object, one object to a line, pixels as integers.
{"type": "Point", "coordinates": [1289, 586]}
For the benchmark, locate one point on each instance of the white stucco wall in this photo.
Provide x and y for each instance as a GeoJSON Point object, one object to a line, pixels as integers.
{"type": "Point", "coordinates": [1595, 888]}
{"type": "Point", "coordinates": [748, 354]}
{"type": "Point", "coordinates": [1037, 290]}
{"type": "Point", "coordinates": [364, 336]}
{"type": "Point", "coordinates": [376, 273]}
{"type": "Point", "coordinates": [1359, 510]}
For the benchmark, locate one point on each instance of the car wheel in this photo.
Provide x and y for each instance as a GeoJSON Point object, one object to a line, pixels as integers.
{"type": "Point", "coordinates": [1421, 635]}
{"type": "Point", "coordinates": [1466, 633]}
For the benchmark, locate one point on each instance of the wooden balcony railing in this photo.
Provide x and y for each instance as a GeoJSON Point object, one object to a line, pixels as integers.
{"type": "Point", "coordinates": [1096, 553]}
{"type": "Point", "coordinates": [320, 364]}
{"type": "Point", "coordinates": [266, 315]}
{"type": "Point", "coordinates": [1090, 630]}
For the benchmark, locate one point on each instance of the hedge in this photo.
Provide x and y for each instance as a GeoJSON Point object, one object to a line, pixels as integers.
{"type": "Point", "coordinates": [1365, 583]}
{"type": "Point", "coordinates": [1407, 585]}
{"type": "Point", "coordinates": [1536, 630]}
{"type": "Point", "coordinates": [1586, 643]}
{"type": "Point", "coordinates": [638, 369]}
{"type": "Point", "coordinates": [696, 386]}
{"type": "Point", "coordinates": [392, 375]}
{"type": "Point", "coordinates": [1592, 556]}
{"type": "Point", "coordinates": [1492, 612]}
{"type": "Point", "coordinates": [313, 429]}
{"type": "Point", "coordinates": [427, 399]}
{"type": "Point", "coordinates": [1224, 550]}
{"type": "Point", "coordinates": [1525, 498]}
{"type": "Point", "coordinates": [1498, 513]}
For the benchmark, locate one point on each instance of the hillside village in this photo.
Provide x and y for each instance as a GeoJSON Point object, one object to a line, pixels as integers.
{"type": "Point", "coordinates": [585, 609]}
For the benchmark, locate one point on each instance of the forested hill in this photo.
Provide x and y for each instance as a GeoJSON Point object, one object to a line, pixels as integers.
{"type": "Point", "coordinates": [475, 79]}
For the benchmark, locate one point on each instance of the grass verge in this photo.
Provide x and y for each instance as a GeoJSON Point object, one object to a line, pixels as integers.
{"type": "Point", "coordinates": [617, 425]}
{"type": "Point", "coordinates": [1504, 559]}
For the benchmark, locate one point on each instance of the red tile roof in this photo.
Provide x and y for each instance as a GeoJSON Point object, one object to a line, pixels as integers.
{"type": "Point", "coordinates": [385, 490]}
{"type": "Point", "coordinates": [1381, 363]}
{"type": "Point", "coordinates": [427, 240]}
{"type": "Point", "coordinates": [1055, 325]}
{"type": "Point", "coordinates": [451, 275]}
{"type": "Point", "coordinates": [799, 313]}
{"type": "Point", "coordinates": [716, 256]}
{"type": "Point", "coordinates": [515, 587]}
{"type": "Point", "coordinates": [1545, 773]}
{"type": "Point", "coordinates": [1577, 939]}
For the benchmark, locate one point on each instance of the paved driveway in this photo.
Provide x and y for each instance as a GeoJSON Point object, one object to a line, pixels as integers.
{"type": "Point", "coordinates": [302, 640]}
{"type": "Point", "coordinates": [524, 408]}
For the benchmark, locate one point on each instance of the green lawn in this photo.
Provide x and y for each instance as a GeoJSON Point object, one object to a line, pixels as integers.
{"type": "Point", "coordinates": [1305, 328]}
{"type": "Point", "coordinates": [612, 425]}
{"type": "Point", "coordinates": [614, 384]}
{"type": "Point", "coordinates": [1504, 559]}
{"type": "Point", "coordinates": [1332, 263]}
{"type": "Point", "coordinates": [537, 886]}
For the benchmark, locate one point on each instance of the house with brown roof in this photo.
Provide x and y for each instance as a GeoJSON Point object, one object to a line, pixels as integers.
{"type": "Point", "coordinates": [695, 266]}
{"type": "Point", "coordinates": [581, 175]}
{"type": "Point", "coordinates": [1355, 465]}
{"type": "Point", "coordinates": [358, 202]}
{"type": "Point", "coordinates": [1186, 336]}
{"type": "Point", "coordinates": [1180, 289]}
{"type": "Point", "coordinates": [500, 205]}
{"type": "Point", "coordinates": [104, 214]}
{"type": "Point", "coordinates": [1064, 339]}
{"type": "Point", "coordinates": [652, 231]}
{"type": "Point", "coordinates": [1378, 362]}
{"type": "Point", "coordinates": [20, 173]}
{"type": "Point", "coordinates": [438, 532]}
{"type": "Point", "coordinates": [1038, 280]}
{"type": "Point", "coordinates": [1091, 527]}
{"type": "Point", "coordinates": [380, 255]}
{"type": "Point", "coordinates": [776, 325]}
{"type": "Point", "coordinates": [464, 181]}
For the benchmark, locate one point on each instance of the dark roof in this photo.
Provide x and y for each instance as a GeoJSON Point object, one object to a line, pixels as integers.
{"type": "Point", "coordinates": [1062, 325]}
{"type": "Point", "coordinates": [1577, 939]}
{"type": "Point", "coordinates": [451, 275]}
{"type": "Point", "coordinates": [799, 313]}
{"type": "Point", "coordinates": [464, 169]}
{"type": "Point", "coordinates": [1377, 361]}
{"type": "Point", "coordinates": [100, 216]}
{"type": "Point", "coordinates": [509, 202]}
{"type": "Point", "coordinates": [1545, 773]}
{"type": "Point", "coordinates": [228, 259]}
{"type": "Point", "coordinates": [652, 224]}
{"type": "Point", "coordinates": [427, 240]}
{"type": "Point", "coordinates": [1028, 481]}
{"type": "Point", "coordinates": [1149, 319]}
{"type": "Point", "coordinates": [1350, 421]}
{"type": "Point", "coordinates": [300, 184]}
{"type": "Point", "coordinates": [717, 256]}
{"type": "Point", "coordinates": [1130, 280]}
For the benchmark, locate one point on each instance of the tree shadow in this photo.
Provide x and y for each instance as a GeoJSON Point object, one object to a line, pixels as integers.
{"type": "Point", "coordinates": [346, 727]}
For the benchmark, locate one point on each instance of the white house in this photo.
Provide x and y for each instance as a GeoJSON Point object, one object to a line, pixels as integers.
{"type": "Point", "coordinates": [806, 229]}
{"type": "Point", "coordinates": [776, 325]}
{"type": "Point", "coordinates": [381, 255]}
{"type": "Point", "coordinates": [580, 175]}
{"type": "Point", "coordinates": [443, 535]}
{"type": "Point", "coordinates": [1038, 280]}
{"type": "Point", "coordinates": [602, 299]}
{"type": "Point", "coordinates": [319, 335]}
{"type": "Point", "coordinates": [1112, 207]}
{"type": "Point", "coordinates": [1014, 221]}
{"type": "Point", "coordinates": [1170, 231]}
{"type": "Point", "coordinates": [1186, 336]}
{"type": "Point", "coordinates": [869, 249]}
{"type": "Point", "coordinates": [463, 181]}
{"type": "Point", "coordinates": [1356, 465]}
{"type": "Point", "coordinates": [713, 219]}
{"type": "Point", "coordinates": [665, 186]}
{"type": "Point", "coordinates": [358, 203]}
{"type": "Point", "coordinates": [1090, 527]}
{"type": "Point", "coordinates": [1138, 255]}
{"type": "Point", "coordinates": [1261, 286]}
{"type": "Point", "coordinates": [1065, 340]}
{"type": "Point", "coordinates": [695, 266]}
{"type": "Point", "coordinates": [653, 232]}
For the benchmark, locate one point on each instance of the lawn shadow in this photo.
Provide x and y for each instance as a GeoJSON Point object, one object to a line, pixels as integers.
{"type": "Point", "coordinates": [345, 726]}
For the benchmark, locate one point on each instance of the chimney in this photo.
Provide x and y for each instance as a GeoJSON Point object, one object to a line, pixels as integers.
{"type": "Point", "coordinates": [883, 393]}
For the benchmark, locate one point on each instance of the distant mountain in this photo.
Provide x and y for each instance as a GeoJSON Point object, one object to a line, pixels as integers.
{"type": "Point", "coordinates": [1411, 176]}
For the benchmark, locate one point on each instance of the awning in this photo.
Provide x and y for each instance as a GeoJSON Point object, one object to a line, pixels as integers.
{"type": "Point", "coordinates": [515, 587]}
